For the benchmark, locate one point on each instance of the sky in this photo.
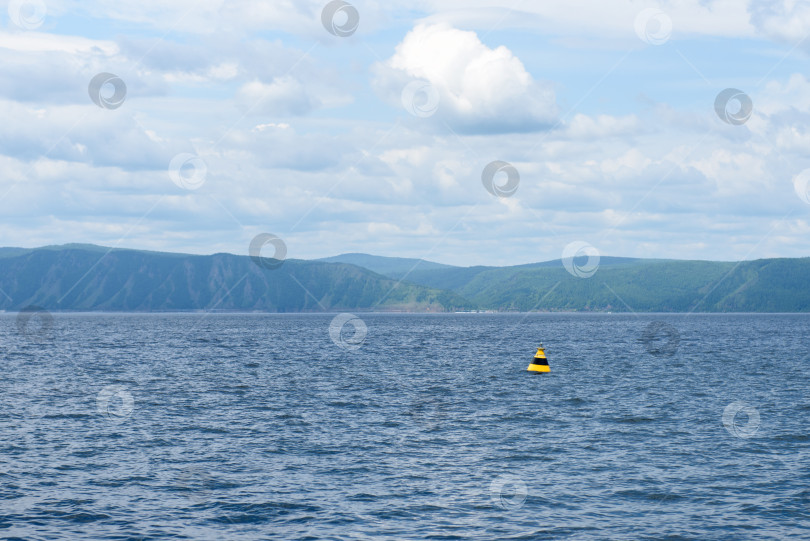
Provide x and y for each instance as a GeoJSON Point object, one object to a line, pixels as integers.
{"type": "Point", "coordinates": [469, 133]}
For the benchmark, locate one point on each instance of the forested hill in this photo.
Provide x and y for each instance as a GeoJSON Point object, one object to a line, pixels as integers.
{"type": "Point", "coordinates": [85, 277]}
{"type": "Point", "coordinates": [625, 284]}
{"type": "Point", "coordinates": [90, 278]}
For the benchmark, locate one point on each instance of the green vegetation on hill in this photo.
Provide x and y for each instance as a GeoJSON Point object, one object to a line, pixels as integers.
{"type": "Point", "coordinates": [624, 284]}
{"type": "Point", "coordinates": [80, 277]}
{"type": "Point", "coordinates": [643, 286]}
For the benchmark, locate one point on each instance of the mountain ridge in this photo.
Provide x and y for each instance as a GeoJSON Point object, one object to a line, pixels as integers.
{"type": "Point", "coordinates": [131, 280]}
{"type": "Point", "coordinates": [80, 277]}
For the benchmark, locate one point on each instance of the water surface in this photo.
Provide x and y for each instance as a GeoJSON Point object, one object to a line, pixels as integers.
{"type": "Point", "coordinates": [194, 426]}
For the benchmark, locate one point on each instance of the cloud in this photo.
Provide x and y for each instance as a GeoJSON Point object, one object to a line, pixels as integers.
{"type": "Point", "coordinates": [648, 178]}
{"type": "Point", "coordinates": [57, 69]}
{"type": "Point", "coordinates": [196, 60]}
{"type": "Point", "coordinates": [83, 134]}
{"type": "Point", "coordinates": [480, 90]}
{"type": "Point", "coordinates": [585, 127]}
{"type": "Point", "coordinates": [792, 96]}
{"type": "Point", "coordinates": [729, 18]}
{"type": "Point", "coordinates": [591, 19]}
{"type": "Point", "coordinates": [279, 146]}
{"type": "Point", "coordinates": [50, 68]}
{"type": "Point", "coordinates": [206, 17]}
{"type": "Point", "coordinates": [287, 96]}
{"type": "Point", "coordinates": [39, 42]}
{"type": "Point", "coordinates": [785, 20]}
{"type": "Point", "coordinates": [284, 96]}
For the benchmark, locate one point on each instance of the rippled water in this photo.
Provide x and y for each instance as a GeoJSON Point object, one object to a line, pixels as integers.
{"type": "Point", "coordinates": [197, 426]}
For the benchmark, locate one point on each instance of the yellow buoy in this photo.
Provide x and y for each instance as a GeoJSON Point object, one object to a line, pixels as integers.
{"type": "Point", "coordinates": [539, 363]}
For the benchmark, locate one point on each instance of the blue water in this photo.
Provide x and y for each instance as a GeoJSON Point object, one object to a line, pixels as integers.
{"type": "Point", "coordinates": [198, 426]}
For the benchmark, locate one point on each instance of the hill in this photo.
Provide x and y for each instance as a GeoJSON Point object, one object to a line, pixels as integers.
{"type": "Point", "coordinates": [84, 278]}
{"type": "Point", "coordinates": [626, 284]}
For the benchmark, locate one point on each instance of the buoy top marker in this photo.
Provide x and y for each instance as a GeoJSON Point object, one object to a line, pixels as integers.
{"type": "Point", "coordinates": [540, 362]}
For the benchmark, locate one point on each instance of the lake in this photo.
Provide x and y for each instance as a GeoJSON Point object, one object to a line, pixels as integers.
{"type": "Point", "coordinates": [404, 426]}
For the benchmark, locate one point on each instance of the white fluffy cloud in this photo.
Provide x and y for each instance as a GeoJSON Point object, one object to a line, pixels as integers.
{"type": "Point", "coordinates": [480, 90]}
